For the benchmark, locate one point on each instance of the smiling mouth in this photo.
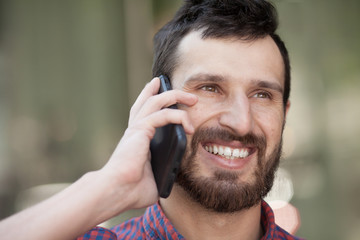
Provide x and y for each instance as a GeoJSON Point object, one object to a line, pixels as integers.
{"type": "Point", "coordinates": [228, 152]}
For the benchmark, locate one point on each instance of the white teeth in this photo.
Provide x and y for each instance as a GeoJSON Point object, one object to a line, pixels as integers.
{"type": "Point", "coordinates": [227, 152]}
{"type": "Point", "coordinates": [215, 150]}
{"type": "Point", "coordinates": [236, 153]}
{"type": "Point", "coordinates": [221, 150]}
{"type": "Point", "coordinates": [242, 153]}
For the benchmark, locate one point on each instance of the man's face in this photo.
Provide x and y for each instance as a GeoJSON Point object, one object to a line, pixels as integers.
{"type": "Point", "coordinates": [239, 118]}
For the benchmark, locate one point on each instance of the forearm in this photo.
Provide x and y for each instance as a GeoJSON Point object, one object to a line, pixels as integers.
{"type": "Point", "coordinates": [125, 182]}
{"type": "Point", "coordinates": [69, 213]}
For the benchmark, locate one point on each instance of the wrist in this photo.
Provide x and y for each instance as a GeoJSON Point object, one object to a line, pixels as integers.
{"type": "Point", "coordinates": [108, 195]}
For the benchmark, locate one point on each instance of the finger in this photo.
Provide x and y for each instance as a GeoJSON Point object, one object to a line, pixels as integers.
{"type": "Point", "coordinates": [150, 89]}
{"type": "Point", "coordinates": [172, 97]}
{"type": "Point", "coordinates": [166, 99]}
{"type": "Point", "coordinates": [164, 117]}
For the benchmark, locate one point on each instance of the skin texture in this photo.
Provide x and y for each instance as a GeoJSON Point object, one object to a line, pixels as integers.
{"type": "Point", "coordinates": [239, 86]}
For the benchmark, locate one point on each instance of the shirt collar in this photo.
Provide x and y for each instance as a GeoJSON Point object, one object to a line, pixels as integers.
{"type": "Point", "coordinates": [157, 225]}
{"type": "Point", "coordinates": [268, 221]}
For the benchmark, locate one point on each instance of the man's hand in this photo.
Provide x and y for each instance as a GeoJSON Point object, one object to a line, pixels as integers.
{"type": "Point", "coordinates": [125, 182]}
{"type": "Point", "coordinates": [129, 166]}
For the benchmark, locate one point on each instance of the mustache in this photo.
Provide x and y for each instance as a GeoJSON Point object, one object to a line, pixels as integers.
{"type": "Point", "coordinates": [204, 134]}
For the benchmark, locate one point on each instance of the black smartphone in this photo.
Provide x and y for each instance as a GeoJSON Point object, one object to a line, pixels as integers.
{"type": "Point", "coordinates": [167, 149]}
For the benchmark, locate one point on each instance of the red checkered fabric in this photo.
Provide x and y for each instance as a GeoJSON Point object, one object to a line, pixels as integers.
{"type": "Point", "coordinates": [154, 225]}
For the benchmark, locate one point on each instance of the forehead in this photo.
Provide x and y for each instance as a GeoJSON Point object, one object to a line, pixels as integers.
{"type": "Point", "coordinates": [233, 58]}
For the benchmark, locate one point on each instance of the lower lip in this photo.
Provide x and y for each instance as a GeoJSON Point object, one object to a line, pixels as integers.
{"type": "Point", "coordinates": [233, 164]}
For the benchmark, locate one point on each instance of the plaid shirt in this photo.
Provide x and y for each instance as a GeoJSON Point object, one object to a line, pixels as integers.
{"type": "Point", "coordinates": [154, 225]}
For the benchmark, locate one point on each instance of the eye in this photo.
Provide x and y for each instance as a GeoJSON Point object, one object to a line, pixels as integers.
{"type": "Point", "coordinates": [210, 88]}
{"type": "Point", "coordinates": [262, 95]}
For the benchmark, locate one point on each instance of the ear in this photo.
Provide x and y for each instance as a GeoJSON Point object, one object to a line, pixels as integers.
{"type": "Point", "coordinates": [287, 107]}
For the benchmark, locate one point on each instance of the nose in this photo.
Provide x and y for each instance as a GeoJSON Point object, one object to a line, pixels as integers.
{"type": "Point", "coordinates": [236, 115]}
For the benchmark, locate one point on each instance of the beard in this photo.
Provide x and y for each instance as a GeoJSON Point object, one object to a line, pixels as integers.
{"type": "Point", "coordinates": [222, 192]}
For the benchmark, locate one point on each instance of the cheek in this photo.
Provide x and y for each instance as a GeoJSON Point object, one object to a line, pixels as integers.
{"type": "Point", "coordinates": [270, 124]}
{"type": "Point", "coordinates": [202, 112]}
{"type": "Point", "coordinates": [194, 114]}
{"type": "Point", "coordinates": [271, 128]}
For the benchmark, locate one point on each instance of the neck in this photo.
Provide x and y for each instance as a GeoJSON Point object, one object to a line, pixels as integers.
{"type": "Point", "coordinates": [195, 222]}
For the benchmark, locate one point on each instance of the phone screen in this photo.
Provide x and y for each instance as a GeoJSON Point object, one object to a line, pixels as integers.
{"type": "Point", "coordinates": [167, 149]}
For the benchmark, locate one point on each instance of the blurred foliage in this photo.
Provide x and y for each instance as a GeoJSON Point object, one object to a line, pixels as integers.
{"type": "Point", "coordinates": [161, 7]}
{"type": "Point", "coordinates": [70, 70]}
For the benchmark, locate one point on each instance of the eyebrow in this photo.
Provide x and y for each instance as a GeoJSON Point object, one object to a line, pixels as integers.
{"type": "Point", "coordinates": [269, 85]}
{"type": "Point", "coordinates": [202, 77]}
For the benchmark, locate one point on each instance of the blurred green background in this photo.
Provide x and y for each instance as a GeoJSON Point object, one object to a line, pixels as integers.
{"type": "Point", "coordinates": [71, 69]}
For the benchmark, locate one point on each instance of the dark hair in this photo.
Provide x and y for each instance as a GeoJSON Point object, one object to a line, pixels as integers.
{"type": "Point", "coordinates": [244, 19]}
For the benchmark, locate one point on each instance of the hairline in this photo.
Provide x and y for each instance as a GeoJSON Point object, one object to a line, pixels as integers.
{"type": "Point", "coordinates": [232, 37]}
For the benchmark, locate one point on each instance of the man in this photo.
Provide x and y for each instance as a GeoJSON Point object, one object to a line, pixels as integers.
{"type": "Point", "coordinates": [231, 78]}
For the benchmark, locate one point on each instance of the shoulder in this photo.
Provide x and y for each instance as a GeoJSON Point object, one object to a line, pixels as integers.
{"type": "Point", "coordinates": [131, 229]}
{"type": "Point", "coordinates": [98, 233]}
